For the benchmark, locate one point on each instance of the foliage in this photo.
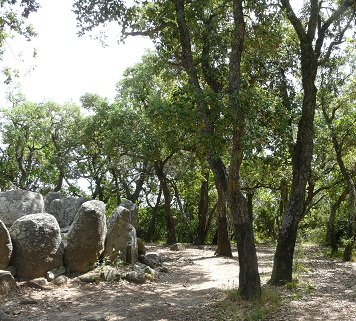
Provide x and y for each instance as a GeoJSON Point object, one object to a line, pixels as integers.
{"type": "Point", "coordinates": [13, 15]}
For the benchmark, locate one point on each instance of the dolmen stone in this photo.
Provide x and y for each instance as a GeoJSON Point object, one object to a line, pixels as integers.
{"type": "Point", "coordinates": [86, 237]}
{"type": "Point", "coordinates": [65, 209]}
{"type": "Point", "coordinates": [134, 212]}
{"type": "Point", "coordinates": [7, 283]}
{"type": "Point", "coordinates": [5, 247]}
{"type": "Point", "coordinates": [17, 203]}
{"type": "Point", "coordinates": [121, 237]}
{"type": "Point", "coordinates": [37, 245]}
{"type": "Point", "coordinates": [49, 197]}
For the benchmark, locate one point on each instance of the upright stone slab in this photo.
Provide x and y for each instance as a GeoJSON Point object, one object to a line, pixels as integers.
{"type": "Point", "coordinates": [132, 246]}
{"type": "Point", "coordinates": [134, 212]}
{"type": "Point", "coordinates": [86, 237]}
{"type": "Point", "coordinates": [49, 198]}
{"type": "Point", "coordinates": [119, 226]}
{"type": "Point", "coordinates": [5, 247]}
{"type": "Point", "coordinates": [37, 245]}
{"type": "Point", "coordinates": [17, 203]}
{"type": "Point", "coordinates": [65, 209]}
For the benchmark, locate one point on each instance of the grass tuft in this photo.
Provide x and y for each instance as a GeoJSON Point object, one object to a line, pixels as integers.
{"type": "Point", "coordinates": [233, 307]}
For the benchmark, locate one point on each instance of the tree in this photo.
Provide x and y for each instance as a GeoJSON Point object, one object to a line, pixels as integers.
{"type": "Point", "coordinates": [13, 20]}
{"type": "Point", "coordinates": [39, 144]}
{"type": "Point", "coordinates": [177, 28]}
{"type": "Point", "coordinates": [338, 108]}
{"type": "Point", "coordinates": [315, 31]}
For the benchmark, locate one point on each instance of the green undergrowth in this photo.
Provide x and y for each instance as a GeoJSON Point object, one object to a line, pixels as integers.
{"type": "Point", "coordinates": [234, 308]}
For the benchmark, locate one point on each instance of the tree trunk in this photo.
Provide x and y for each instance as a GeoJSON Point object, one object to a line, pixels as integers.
{"type": "Point", "coordinates": [60, 179]}
{"type": "Point", "coordinates": [171, 234]}
{"type": "Point", "coordinates": [203, 208]}
{"type": "Point", "coordinates": [152, 227]}
{"type": "Point", "coordinates": [350, 222]}
{"type": "Point", "coordinates": [186, 230]}
{"type": "Point", "coordinates": [302, 151]}
{"type": "Point", "coordinates": [283, 202]}
{"type": "Point", "coordinates": [249, 278]}
{"type": "Point", "coordinates": [224, 245]}
{"type": "Point", "coordinates": [331, 238]}
{"type": "Point", "coordinates": [250, 205]}
{"type": "Point", "coordinates": [301, 159]}
{"type": "Point", "coordinates": [220, 177]}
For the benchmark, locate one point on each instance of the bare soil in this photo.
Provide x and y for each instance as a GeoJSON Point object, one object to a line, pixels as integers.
{"type": "Point", "coordinates": [192, 289]}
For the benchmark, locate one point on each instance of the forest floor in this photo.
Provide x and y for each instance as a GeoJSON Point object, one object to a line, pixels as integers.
{"type": "Point", "coordinates": [198, 286]}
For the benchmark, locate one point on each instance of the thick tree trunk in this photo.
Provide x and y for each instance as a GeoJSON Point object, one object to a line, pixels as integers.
{"type": "Point", "coordinates": [171, 234]}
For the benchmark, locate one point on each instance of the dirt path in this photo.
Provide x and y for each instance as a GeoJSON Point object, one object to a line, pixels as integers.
{"type": "Point", "coordinates": [189, 290]}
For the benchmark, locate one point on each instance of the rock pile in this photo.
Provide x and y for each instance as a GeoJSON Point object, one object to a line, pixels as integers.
{"type": "Point", "coordinates": [46, 237]}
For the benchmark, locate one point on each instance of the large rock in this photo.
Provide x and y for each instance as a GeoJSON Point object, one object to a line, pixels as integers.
{"type": "Point", "coordinates": [119, 227]}
{"type": "Point", "coordinates": [37, 246]}
{"type": "Point", "coordinates": [5, 247]}
{"type": "Point", "coordinates": [134, 212]}
{"type": "Point", "coordinates": [86, 237]}
{"type": "Point", "coordinates": [17, 203]}
{"type": "Point", "coordinates": [65, 209]}
{"type": "Point", "coordinates": [49, 197]}
{"type": "Point", "coordinates": [7, 283]}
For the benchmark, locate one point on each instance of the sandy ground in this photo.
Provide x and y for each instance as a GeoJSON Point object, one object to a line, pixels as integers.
{"type": "Point", "coordinates": [194, 283]}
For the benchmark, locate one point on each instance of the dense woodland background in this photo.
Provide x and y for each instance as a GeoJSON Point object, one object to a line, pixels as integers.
{"type": "Point", "coordinates": [243, 119]}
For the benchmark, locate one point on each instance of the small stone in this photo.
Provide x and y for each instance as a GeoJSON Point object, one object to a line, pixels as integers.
{"type": "Point", "coordinates": [177, 247]}
{"type": "Point", "coordinates": [94, 317]}
{"type": "Point", "coordinates": [41, 281]}
{"type": "Point", "coordinates": [60, 280]}
{"type": "Point", "coordinates": [135, 277]}
{"type": "Point", "coordinates": [50, 275]}
{"type": "Point", "coordinates": [163, 269]}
